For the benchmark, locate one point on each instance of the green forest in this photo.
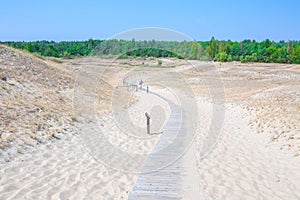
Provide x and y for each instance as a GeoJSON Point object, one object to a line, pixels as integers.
{"type": "Point", "coordinates": [266, 51]}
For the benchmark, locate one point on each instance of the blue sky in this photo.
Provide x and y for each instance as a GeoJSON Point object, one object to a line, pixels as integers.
{"type": "Point", "coordinates": [80, 20]}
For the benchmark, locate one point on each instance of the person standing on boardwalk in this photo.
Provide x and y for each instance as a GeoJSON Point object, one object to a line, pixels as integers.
{"type": "Point", "coordinates": [141, 83]}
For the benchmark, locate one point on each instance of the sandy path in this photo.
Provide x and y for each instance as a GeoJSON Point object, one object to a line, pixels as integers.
{"type": "Point", "coordinates": [158, 180]}
{"type": "Point", "coordinates": [241, 165]}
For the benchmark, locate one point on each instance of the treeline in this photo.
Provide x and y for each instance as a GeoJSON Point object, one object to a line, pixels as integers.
{"type": "Point", "coordinates": [245, 51]}
{"type": "Point", "coordinates": [57, 49]}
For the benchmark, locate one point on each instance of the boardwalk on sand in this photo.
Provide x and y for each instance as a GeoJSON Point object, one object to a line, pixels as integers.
{"type": "Point", "coordinates": [161, 177]}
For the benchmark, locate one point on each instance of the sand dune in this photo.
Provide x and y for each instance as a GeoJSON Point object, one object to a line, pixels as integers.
{"type": "Point", "coordinates": [254, 156]}
{"type": "Point", "coordinates": [243, 166]}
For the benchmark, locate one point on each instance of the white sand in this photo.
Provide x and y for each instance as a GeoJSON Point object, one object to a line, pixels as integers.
{"type": "Point", "coordinates": [241, 166]}
{"type": "Point", "coordinates": [65, 169]}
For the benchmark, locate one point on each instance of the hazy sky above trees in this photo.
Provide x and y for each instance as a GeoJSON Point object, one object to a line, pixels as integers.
{"type": "Point", "coordinates": [80, 20]}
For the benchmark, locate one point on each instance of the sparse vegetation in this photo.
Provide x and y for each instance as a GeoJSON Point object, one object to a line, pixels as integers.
{"type": "Point", "coordinates": [38, 56]}
{"type": "Point", "coordinates": [30, 104]}
{"type": "Point", "coordinates": [56, 60]}
{"type": "Point", "coordinates": [159, 62]}
{"type": "Point", "coordinates": [73, 118]}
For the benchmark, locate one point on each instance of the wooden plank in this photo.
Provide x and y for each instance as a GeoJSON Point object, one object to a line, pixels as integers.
{"type": "Point", "coordinates": [165, 183]}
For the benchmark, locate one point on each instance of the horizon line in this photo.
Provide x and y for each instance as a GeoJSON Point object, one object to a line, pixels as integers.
{"type": "Point", "coordinates": [148, 40]}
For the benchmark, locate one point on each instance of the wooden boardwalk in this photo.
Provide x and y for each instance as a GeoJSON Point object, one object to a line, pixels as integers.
{"type": "Point", "coordinates": [161, 177]}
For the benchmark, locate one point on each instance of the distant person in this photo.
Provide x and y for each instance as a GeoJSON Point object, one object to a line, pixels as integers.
{"type": "Point", "coordinates": [141, 83]}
